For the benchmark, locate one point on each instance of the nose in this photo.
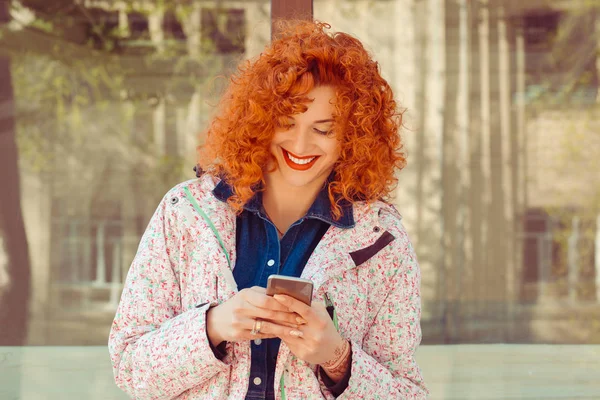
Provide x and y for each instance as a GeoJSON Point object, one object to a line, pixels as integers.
{"type": "Point", "coordinates": [300, 141]}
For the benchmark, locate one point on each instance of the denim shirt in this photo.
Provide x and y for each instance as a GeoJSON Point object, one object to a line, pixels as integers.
{"type": "Point", "coordinates": [260, 253]}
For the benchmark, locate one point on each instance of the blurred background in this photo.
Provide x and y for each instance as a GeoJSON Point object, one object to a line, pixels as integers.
{"type": "Point", "coordinates": [101, 103]}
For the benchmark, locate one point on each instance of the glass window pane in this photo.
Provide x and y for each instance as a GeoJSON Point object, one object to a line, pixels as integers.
{"type": "Point", "coordinates": [501, 194]}
{"type": "Point", "coordinates": [109, 100]}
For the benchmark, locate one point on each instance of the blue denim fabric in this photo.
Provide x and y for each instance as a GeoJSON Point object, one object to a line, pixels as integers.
{"type": "Point", "coordinates": [257, 243]}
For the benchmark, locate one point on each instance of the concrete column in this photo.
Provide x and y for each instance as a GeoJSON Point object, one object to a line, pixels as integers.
{"type": "Point", "coordinates": [159, 119]}
{"type": "Point", "coordinates": [597, 258]}
{"type": "Point", "coordinates": [461, 259]}
{"type": "Point", "coordinates": [129, 196]}
{"type": "Point", "coordinates": [116, 283]}
{"type": "Point", "coordinates": [157, 35]}
{"type": "Point", "coordinates": [155, 26]}
{"type": "Point", "coordinates": [191, 27]}
{"type": "Point", "coordinates": [481, 270]}
{"type": "Point", "coordinates": [258, 27]}
{"type": "Point", "coordinates": [36, 208]}
{"type": "Point", "coordinates": [505, 210]}
{"type": "Point", "coordinates": [100, 255]}
{"type": "Point", "coordinates": [433, 131]}
{"type": "Point", "coordinates": [401, 64]}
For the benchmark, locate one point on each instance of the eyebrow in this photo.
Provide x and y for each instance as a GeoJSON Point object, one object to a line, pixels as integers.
{"type": "Point", "coordinates": [322, 121]}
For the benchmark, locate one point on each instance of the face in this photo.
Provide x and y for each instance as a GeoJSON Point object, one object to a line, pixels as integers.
{"type": "Point", "coordinates": [306, 149]}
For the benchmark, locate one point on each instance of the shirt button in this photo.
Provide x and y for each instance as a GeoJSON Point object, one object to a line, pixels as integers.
{"type": "Point", "coordinates": [270, 263]}
{"type": "Point", "coordinates": [257, 342]}
{"type": "Point", "coordinates": [257, 381]}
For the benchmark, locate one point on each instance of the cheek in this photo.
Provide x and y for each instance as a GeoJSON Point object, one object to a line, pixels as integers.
{"type": "Point", "coordinates": [277, 139]}
{"type": "Point", "coordinates": [334, 150]}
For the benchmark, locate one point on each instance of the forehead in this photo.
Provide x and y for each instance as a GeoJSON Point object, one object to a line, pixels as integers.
{"type": "Point", "coordinates": [322, 103]}
{"type": "Point", "coordinates": [322, 93]}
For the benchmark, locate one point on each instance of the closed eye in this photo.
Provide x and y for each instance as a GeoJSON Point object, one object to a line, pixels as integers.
{"type": "Point", "coordinates": [320, 132]}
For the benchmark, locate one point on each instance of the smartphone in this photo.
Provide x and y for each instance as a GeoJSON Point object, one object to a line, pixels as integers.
{"type": "Point", "coordinates": [298, 288]}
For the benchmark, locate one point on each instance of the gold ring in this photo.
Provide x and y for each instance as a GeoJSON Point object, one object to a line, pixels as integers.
{"type": "Point", "coordinates": [257, 326]}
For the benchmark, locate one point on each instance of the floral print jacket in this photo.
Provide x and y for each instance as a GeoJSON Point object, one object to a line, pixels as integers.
{"type": "Point", "coordinates": [158, 343]}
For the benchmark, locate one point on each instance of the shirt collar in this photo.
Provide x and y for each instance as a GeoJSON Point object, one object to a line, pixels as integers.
{"type": "Point", "coordinates": [320, 209]}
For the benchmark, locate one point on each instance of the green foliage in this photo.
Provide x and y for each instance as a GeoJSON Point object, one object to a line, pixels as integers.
{"type": "Point", "coordinates": [86, 92]}
{"type": "Point", "coordinates": [573, 91]}
{"type": "Point", "coordinates": [569, 69]}
{"type": "Point", "coordinates": [57, 81]}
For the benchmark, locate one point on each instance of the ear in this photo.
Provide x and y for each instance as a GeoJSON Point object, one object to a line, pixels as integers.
{"type": "Point", "coordinates": [199, 171]}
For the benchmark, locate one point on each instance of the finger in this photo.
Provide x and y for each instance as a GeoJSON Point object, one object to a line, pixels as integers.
{"type": "Point", "coordinates": [285, 317]}
{"type": "Point", "coordinates": [274, 329]}
{"type": "Point", "coordinates": [259, 289]}
{"type": "Point", "coordinates": [258, 299]}
{"type": "Point", "coordinates": [245, 327]}
{"type": "Point", "coordinates": [297, 333]}
{"type": "Point", "coordinates": [305, 311]}
{"type": "Point", "coordinates": [250, 323]}
{"type": "Point", "coordinates": [292, 332]}
{"type": "Point", "coordinates": [289, 325]}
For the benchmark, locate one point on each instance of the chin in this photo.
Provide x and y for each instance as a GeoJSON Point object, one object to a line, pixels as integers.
{"type": "Point", "coordinates": [295, 179]}
{"type": "Point", "coordinates": [298, 182]}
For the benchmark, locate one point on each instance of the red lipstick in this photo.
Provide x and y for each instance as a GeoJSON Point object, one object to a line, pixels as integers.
{"type": "Point", "coordinates": [298, 167]}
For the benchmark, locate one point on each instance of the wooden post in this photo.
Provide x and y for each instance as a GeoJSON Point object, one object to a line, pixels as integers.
{"type": "Point", "coordinates": [290, 9]}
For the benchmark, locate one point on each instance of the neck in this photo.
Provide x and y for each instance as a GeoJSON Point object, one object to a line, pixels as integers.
{"type": "Point", "coordinates": [286, 204]}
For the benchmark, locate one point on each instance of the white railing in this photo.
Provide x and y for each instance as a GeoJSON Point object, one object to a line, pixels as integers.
{"type": "Point", "coordinates": [90, 260]}
{"type": "Point", "coordinates": [573, 259]}
{"type": "Point", "coordinates": [544, 242]}
{"type": "Point", "coordinates": [543, 246]}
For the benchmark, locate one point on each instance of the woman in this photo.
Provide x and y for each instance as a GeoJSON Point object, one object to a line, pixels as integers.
{"type": "Point", "coordinates": [303, 149]}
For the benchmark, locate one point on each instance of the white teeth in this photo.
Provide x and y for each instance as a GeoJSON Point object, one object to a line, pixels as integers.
{"type": "Point", "coordinates": [300, 161]}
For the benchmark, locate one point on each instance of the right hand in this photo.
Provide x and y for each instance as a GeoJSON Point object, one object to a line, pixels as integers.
{"type": "Point", "coordinates": [233, 320]}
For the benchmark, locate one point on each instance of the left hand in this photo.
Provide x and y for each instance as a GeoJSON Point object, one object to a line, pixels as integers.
{"type": "Point", "coordinates": [319, 339]}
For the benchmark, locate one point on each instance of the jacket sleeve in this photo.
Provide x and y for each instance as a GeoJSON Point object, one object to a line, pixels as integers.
{"type": "Point", "coordinates": [383, 365]}
{"type": "Point", "coordinates": [157, 349]}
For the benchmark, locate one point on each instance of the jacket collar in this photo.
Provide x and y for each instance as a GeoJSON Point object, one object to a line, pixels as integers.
{"type": "Point", "coordinates": [319, 267]}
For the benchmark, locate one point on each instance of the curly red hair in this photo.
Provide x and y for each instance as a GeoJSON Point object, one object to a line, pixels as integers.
{"type": "Point", "coordinates": [266, 90]}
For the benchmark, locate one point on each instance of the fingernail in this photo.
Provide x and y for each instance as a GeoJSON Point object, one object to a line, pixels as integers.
{"type": "Point", "coordinates": [280, 298]}
{"type": "Point", "coordinates": [296, 333]}
{"type": "Point", "coordinates": [301, 320]}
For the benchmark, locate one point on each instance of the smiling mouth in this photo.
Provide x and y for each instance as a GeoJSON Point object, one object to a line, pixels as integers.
{"type": "Point", "coordinates": [298, 163]}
